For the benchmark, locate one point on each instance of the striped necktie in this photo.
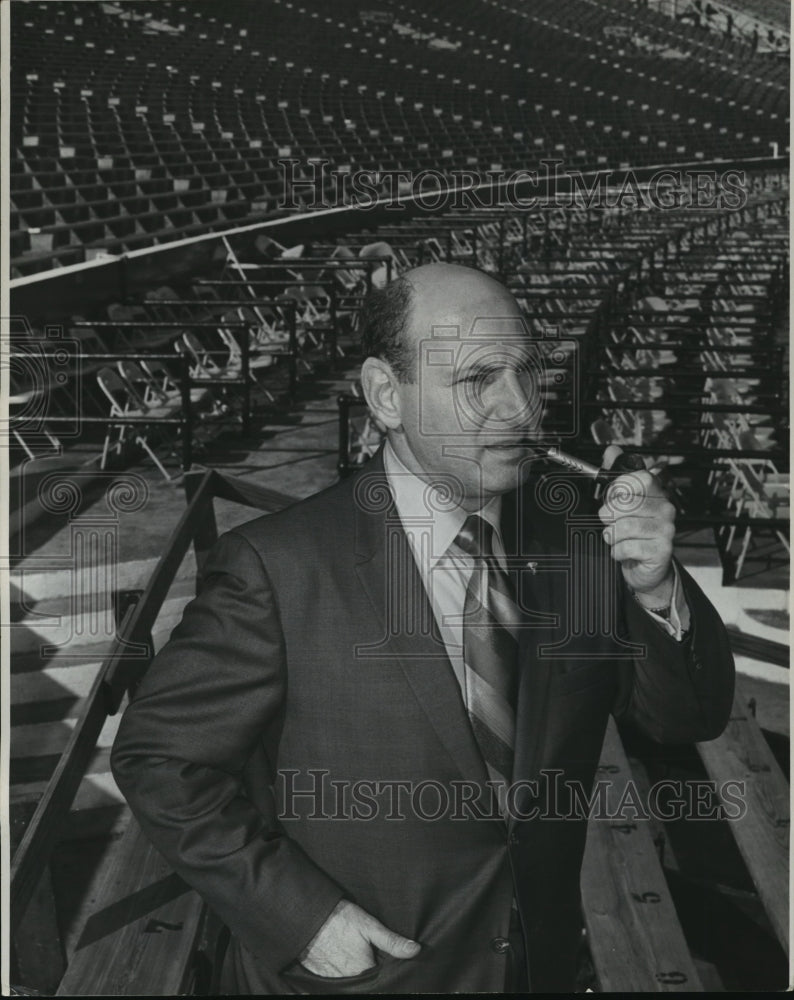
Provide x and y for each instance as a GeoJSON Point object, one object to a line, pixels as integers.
{"type": "Point", "coordinates": [490, 617]}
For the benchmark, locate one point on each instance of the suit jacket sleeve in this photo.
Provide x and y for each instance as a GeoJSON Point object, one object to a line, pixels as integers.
{"type": "Point", "coordinates": [182, 747]}
{"type": "Point", "coordinates": [678, 692]}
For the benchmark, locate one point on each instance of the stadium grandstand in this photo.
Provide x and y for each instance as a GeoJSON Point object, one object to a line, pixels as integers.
{"type": "Point", "coordinates": [201, 197]}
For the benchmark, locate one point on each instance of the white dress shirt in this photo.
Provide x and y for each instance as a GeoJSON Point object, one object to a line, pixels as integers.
{"type": "Point", "coordinates": [431, 529]}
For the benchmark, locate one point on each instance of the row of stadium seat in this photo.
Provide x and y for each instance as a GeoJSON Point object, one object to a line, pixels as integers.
{"type": "Point", "coordinates": [190, 110]}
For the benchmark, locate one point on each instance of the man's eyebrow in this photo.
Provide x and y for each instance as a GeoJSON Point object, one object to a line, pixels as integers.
{"type": "Point", "coordinates": [484, 366]}
{"type": "Point", "coordinates": [476, 367]}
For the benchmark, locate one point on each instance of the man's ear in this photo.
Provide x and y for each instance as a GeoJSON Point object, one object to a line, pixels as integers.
{"type": "Point", "coordinates": [381, 393]}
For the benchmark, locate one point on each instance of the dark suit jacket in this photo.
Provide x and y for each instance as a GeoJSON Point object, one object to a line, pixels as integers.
{"type": "Point", "coordinates": [306, 660]}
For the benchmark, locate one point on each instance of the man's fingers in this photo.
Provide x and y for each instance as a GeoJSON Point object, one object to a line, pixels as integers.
{"type": "Point", "coordinates": [391, 942]}
{"type": "Point", "coordinates": [643, 551]}
{"type": "Point", "coordinates": [640, 483]}
{"type": "Point", "coordinates": [656, 509]}
{"type": "Point", "coordinates": [611, 452]}
{"type": "Point", "coordinates": [343, 945]}
{"type": "Point", "coordinates": [634, 504]}
{"type": "Point", "coordinates": [622, 529]}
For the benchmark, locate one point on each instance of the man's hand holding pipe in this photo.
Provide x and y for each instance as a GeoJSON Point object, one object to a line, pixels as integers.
{"type": "Point", "coordinates": [640, 528]}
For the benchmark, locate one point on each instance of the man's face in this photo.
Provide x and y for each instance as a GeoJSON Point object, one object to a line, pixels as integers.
{"type": "Point", "coordinates": [476, 398]}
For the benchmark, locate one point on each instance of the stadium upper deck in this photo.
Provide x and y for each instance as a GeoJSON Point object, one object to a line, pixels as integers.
{"type": "Point", "coordinates": [134, 124]}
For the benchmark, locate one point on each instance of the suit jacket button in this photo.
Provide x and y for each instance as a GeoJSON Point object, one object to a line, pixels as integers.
{"type": "Point", "coordinates": [513, 840]}
{"type": "Point", "coordinates": [500, 945]}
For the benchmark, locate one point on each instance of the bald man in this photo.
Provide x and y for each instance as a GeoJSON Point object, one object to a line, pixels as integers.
{"type": "Point", "coordinates": [368, 741]}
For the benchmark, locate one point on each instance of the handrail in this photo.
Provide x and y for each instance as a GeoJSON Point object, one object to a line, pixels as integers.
{"type": "Point", "coordinates": [121, 671]}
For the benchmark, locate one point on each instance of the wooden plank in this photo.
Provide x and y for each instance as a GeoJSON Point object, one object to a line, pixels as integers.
{"type": "Point", "coordinates": [742, 754]}
{"type": "Point", "coordinates": [771, 700]}
{"type": "Point", "coordinates": [633, 931]}
{"type": "Point", "coordinates": [664, 849]}
{"type": "Point", "coordinates": [141, 937]}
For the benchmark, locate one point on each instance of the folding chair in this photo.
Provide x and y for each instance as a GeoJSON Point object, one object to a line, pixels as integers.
{"type": "Point", "coordinates": [166, 388]}
{"type": "Point", "coordinates": [307, 315]}
{"type": "Point", "coordinates": [125, 402]}
{"type": "Point", "coordinates": [204, 367]}
{"type": "Point", "coordinates": [257, 361]}
{"type": "Point", "coordinates": [380, 273]}
{"type": "Point", "coordinates": [271, 330]}
{"type": "Point", "coordinates": [119, 313]}
{"type": "Point", "coordinates": [268, 247]}
{"type": "Point", "coordinates": [750, 496]}
{"type": "Point", "coordinates": [351, 280]}
{"type": "Point", "coordinates": [168, 314]}
{"type": "Point", "coordinates": [259, 338]}
{"type": "Point", "coordinates": [26, 403]}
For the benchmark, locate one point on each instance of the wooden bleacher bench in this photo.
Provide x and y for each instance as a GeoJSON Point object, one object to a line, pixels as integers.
{"type": "Point", "coordinates": [145, 934]}
{"type": "Point", "coordinates": [762, 834]}
{"type": "Point", "coordinates": [634, 935]}
{"type": "Point", "coordinates": [633, 932]}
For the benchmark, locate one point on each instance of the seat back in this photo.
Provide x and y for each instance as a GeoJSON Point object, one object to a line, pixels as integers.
{"type": "Point", "coordinates": [160, 375]}
{"type": "Point", "coordinates": [141, 382]}
{"type": "Point", "coordinates": [89, 340]}
{"type": "Point", "coordinates": [122, 396]}
{"type": "Point", "coordinates": [348, 279]}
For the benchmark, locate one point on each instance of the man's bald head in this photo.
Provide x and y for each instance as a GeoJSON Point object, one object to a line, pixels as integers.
{"type": "Point", "coordinates": [450, 377]}
{"type": "Point", "coordinates": [395, 318]}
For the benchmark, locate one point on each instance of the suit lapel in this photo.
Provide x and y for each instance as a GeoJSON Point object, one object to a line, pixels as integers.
{"type": "Point", "coordinates": [388, 573]}
{"type": "Point", "coordinates": [529, 539]}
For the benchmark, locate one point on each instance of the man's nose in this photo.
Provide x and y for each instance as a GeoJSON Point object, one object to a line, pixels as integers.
{"type": "Point", "coordinates": [513, 403]}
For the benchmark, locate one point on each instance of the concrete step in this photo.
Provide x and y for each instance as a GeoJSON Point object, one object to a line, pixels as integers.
{"type": "Point", "coordinates": [53, 683]}
{"type": "Point", "coordinates": [98, 809]}
{"type": "Point", "coordinates": [87, 631]}
{"type": "Point", "coordinates": [31, 584]}
{"type": "Point", "coordinates": [52, 693]}
{"type": "Point", "coordinates": [761, 670]}
{"type": "Point", "coordinates": [50, 738]}
{"type": "Point", "coordinates": [735, 606]}
{"type": "Point", "coordinates": [97, 791]}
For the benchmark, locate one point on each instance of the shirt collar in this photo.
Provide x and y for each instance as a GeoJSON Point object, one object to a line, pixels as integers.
{"type": "Point", "coordinates": [414, 500]}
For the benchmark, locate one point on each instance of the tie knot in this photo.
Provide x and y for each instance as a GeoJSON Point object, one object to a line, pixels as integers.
{"type": "Point", "coordinates": [475, 537]}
